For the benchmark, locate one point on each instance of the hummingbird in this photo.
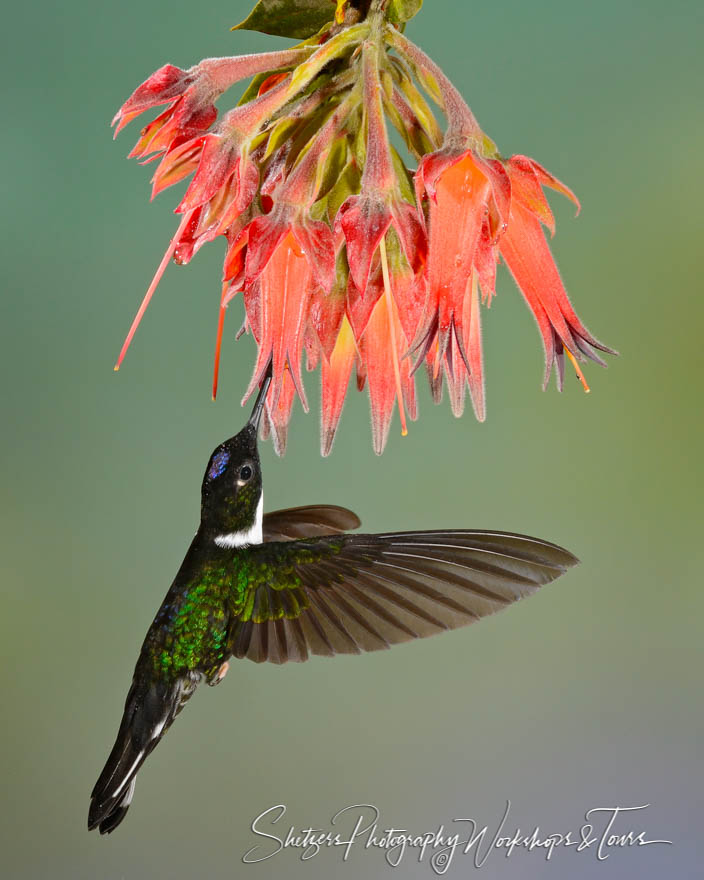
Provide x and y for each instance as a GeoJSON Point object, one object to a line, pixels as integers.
{"type": "Point", "coordinates": [286, 585]}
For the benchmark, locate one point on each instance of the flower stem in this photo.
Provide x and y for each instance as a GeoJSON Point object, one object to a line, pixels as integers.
{"type": "Point", "coordinates": [309, 69]}
{"type": "Point", "coordinates": [414, 110]}
{"type": "Point", "coordinates": [247, 119]}
{"type": "Point", "coordinates": [302, 185]}
{"type": "Point", "coordinates": [461, 122]}
{"type": "Point", "coordinates": [225, 72]}
{"type": "Point", "coordinates": [378, 172]}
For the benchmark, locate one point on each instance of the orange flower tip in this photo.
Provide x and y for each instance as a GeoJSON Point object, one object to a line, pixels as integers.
{"type": "Point", "coordinates": [578, 371]}
{"type": "Point", "coordinates": [402, 413]}
{"type": "Point", "coordinates": [116, 368]}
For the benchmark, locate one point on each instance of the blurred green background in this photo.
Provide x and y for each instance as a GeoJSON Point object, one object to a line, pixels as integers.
{"type": "Point", "coordinates": [587, 695]}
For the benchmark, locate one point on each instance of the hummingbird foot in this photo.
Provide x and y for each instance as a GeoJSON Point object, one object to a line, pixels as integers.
{"type": "Point", "coordinates": [220, 674]}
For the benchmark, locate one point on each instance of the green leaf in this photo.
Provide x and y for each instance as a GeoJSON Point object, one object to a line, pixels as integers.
{"type": "Point", "coordinates": [299, 19]}
{"type": "Point", "coordinates": [252, 89]}
{"type": "Point", "coordinates": [280, 132]}
{"type": "Point", "coordinates": [403, 176]}
{"type": "Point", "coordinates": [400, 11]}
{"type": "Point", "coordinates": [348, 184]}
{"type": "Point", "coordinates": [334, 165]}
{"type": "Point", "coordinates": [305, 134]}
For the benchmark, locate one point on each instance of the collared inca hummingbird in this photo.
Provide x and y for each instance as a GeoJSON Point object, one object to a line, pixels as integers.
{"type": "Point", "coordinates": [281, 586]}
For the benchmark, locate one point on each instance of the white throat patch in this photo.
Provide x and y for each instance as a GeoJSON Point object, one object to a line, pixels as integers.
{"type": "Point", "coordinates": [247, 536]}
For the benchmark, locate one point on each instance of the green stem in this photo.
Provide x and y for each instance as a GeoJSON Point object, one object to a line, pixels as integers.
{"type": "Point", "coordinates": [461, 122]}
{"type": "Point", "coordinates": [378, 169]}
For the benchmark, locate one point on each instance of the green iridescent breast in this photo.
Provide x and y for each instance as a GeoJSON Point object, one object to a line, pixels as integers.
{"type": "Point", "coordinates": [191, 628]}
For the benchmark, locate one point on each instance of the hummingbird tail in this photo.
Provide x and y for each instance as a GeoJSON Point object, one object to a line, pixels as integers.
{"type": "Point", "coordinates": [149, 711]}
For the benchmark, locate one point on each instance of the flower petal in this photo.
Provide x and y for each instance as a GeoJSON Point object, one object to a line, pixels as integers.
{"type": "Point", "coordinates": [327, 313]}
{"type": "Point", "coordinates": [286, 284]}
{"type": "Point", "coordinates": [456, 377]}
{"type": "Point", "coordinates": [410, 294]}
{"type": "Point", "coordinates": [335, 378]}
{"type": "Point", "coordinates": [164, 85]}
{"type": "Point", "coordinates": [500, 189]}
{"type": "Point", "coordinates": [473, 349]}
{"type": "Point", "coordinates": [219, 160]}
{"type": "Point", "coordinates": [527, 189]}
{"type": "Point", "coordinates": [278, 408]}
{"type": "Point", "coordinates": [527, 255]}
{"type": "Point", "coordinates": [456, 219]}
{"type": "Point", "coordinates": [364, 222]}
{"type": "Point", "coordinates": [264, 236]}
{"type": "Point", "coordinates": [376, 351]}
{"type": "Point", "coordinates": [359, 305]}
{"type": "Point", "coordinates": [178, 163]}
{"type": "Point", "coordinates": [316, 241]}
{"type": "Point", "coordinates": [409, 227]}
{"type": "Point", "coordinates": [547, 179]}
{"type": "Point", "coordinates": [485, 260]}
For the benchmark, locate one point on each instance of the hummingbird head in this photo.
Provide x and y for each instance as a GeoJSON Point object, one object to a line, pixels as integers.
{"type": "Point", "coordinates": [231, 495]}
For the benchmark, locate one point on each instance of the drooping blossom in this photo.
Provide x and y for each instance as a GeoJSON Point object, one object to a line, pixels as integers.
{"type": "Point", "coordinates": [342, 256]}
{"type": "Point", "coordinates": [527, 255]}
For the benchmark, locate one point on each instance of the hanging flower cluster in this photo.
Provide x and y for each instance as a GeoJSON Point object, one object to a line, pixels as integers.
{"type": "Point", "coordinates": [340, 253]}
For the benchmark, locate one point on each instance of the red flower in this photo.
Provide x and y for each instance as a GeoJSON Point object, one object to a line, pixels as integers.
{"type": "Point", "coordinates": [460, 191]}
{"type": "Point", "coordinates": [224, 156]}
{"type": "Point", "coordinates": [193, 113]}
{"type": "Point", "coordinates": [478, 209]}
{"type": "Point", "coordinates": [336, 246]}
{"type": "Point", "coordinates": [167, 85]}
{"type": "Point", "coordinates": [527, 255]}
{"type": "Point", "coordinates": [365, 220]}
{"type": "Point", "coordinates": [190, 95]}
{"type": "Point", "coordinates": [277, 312]}
{"type": "Point", "coordinates": [313, 237]}
{"type": "Point", "coordinates": [480, 206]}
{"type": "Point", "coordinates": [382, 348]}
{"type": "Point", "coordinates": [336, 370]}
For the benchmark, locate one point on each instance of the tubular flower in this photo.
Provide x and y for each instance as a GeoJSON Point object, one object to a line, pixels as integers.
{"type": "Point", "coordinates": [278, 320]}
{"type": "Point", "coordinates": [527, 255]}
{"type": "Point", "coordinates": [338, 249]}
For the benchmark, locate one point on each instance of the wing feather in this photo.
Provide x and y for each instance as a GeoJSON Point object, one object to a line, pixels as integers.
{"type": "Point", "coordinates": [347, 594]}
{"type": "Point", "coordinates": [311, 521]}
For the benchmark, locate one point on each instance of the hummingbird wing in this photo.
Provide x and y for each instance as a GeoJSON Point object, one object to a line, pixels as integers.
{"type": "Point", "coordinates": [346, 594]}
{"type": "Point", "coordinates": [311, 521]}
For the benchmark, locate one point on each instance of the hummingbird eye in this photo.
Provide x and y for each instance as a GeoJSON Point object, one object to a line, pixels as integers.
{"type": "Point", "coordinates": [245, 473]}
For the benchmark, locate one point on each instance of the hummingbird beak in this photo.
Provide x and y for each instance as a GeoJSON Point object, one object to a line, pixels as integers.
{"type": "Point", "coordinates": [255, 418]}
